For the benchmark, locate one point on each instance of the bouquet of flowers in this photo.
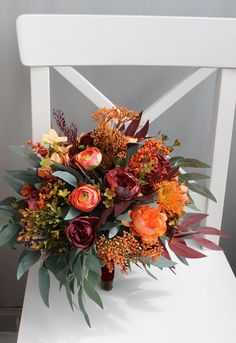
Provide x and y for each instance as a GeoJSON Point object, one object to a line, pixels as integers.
{"type": "Point", "coordinates": [100, 201]}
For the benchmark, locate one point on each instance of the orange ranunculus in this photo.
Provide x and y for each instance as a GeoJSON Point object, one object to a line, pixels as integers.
{"type": "Point", "coordinates": [89, 158]}
{"type": "Point", "coordinates": [148, 223]}
{"type": "Point", "coordinates": [85, 198]}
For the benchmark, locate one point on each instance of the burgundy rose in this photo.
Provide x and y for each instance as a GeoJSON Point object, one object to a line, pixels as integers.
{"type": "Point", "coordinates": [123, 183]}
{"type": "Point", "coordinates": [81, 231]}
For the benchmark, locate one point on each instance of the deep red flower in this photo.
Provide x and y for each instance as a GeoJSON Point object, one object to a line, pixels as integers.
{"type": "Point", "coordinates": [123, 183]}
{"type": "Point", "coordinates": [81, 231]}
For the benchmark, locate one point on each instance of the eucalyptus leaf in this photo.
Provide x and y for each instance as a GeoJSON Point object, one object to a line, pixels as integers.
{"type": "Point", "coordinates": [14, 183]}
{"type": "Point", "coordinates": [27, 154]}
{"type": "Point", "coordinates": [182, 259]}
{"type": "Point", "coordinates": [6, 213]}
{"type": "Point", "coordinates": [67, 177]}
{"type": "Point", "coordinates": [81, 306]}
{"type": "Point", "coordinates": [28, 260]}
{"type": "Point", "coordinates": [58, 266]}
{"type": "Point", "coordinates": [180, 161]}
{"type": "Point", "coordinates": [69, 294]}
{"type": "Point", "coordinates": [61, 167]}
{"type": "Point", "coordinates": [124, 216]}
{"type": "Point", "coordinates": [93, 264]}
{"type": "Point", "coordinates": [93, 278]}
{"type": "Point", "coordinates": [3, 225]}
{"type": "Point", "coordinates": [193, 176]}
{"type": "Point", "coordinates": [44, 284]}
{"type": "Point", "coordinates": [148, 272]}
{"type": "Point", "coordinates": [113, 232]}
{"type": "Point", "coordinates": [72, 255]}
{"type": "Point", "coordinates": [77, 268]}
{"type": "Point", "coordinates": [192, 206]}
{"type": "Point", "coordinates": [8, 233]}
{"type": "Point", "coordinates": [175, 160]}
{"type": "Point", "coordinates": [72, 284]}
{"type": "Point", "coordinates": [72, 213]}
{"type": "Point", "coordinates": [26, 176]}
{"type": "Point", "coordinates": [152, 204]}
{"type": "Point", "coordinates": [7, 203]}
{"type": "Point", "coordinates": [161, 263]}
{"type": "Point", "coordinates": [193, 163]}
{"type": "Point", "coordinates": [202, 190]}
{"type": "Point", "coordinates": [92, 293]}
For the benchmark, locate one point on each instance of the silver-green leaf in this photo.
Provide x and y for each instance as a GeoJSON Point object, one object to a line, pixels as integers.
{"type": "Point", "coordinates": [44, 284]}
{"type": "Point", "coordinates": [67, 177]}
{"type": "Point", "coordinates": [7, 233]}
{"type": "Point", "coordinates": [92, 293]}
{"type": "Point", "coordinates": [28, 260]}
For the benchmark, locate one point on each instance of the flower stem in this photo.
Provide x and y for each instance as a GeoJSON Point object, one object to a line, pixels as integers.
{"type": "Point", "coordinates": [107, 278]}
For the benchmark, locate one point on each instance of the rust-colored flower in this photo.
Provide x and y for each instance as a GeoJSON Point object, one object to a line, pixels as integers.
{"type": "Point", "coordinates": [26, 190]}
{"type": "Point", "coordinates": [89, 158]}
{"type": "Point", "coordinates": [123, 183]}
{"type": "Point", "coordinates": [172, 197]}
{"type": "Point", "coordinates": [115, 115]}
{"type": "Point", "coordinates": [85, 198]}
{"type": "Point", "coordinates": [45, 172]}
{"type": "Point", "coordinates": [112, 144]}
{"type": "Point", "coordinates": [148, 223]}
{"type": "Point", "coordinates": [81, 231]}
{"type": "Point", "coordinates": [151, 165]}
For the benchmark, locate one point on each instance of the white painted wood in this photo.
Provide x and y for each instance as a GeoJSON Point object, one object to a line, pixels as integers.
{"type": "Point", "coordinates": [176, 93]}
{"type": "Point", "coordinates": [84, 86]}
{"type": "Point", "coordinates": [223, 128]}
{"type": "Point", "coordinates": [137, 306]}
{"type": "Point", "coordinates": [40, 102]}
{"type": "Point", "coordinates": [126, 40]}
{"type": "Point", "coordinates": [200, 297]}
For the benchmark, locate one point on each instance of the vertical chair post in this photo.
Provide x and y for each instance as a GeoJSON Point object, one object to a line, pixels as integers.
{"type": "Point", "coordinates": [40, 101]}
{"type": "Point", "coordinates": [223, 128]}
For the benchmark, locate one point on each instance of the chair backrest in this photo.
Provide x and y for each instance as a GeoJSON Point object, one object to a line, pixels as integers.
{"type": "Point", "coordinates": [62, 41]}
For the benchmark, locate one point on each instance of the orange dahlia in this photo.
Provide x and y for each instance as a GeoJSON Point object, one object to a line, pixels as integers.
{"type": "Point", "coordinates": [172, 197]}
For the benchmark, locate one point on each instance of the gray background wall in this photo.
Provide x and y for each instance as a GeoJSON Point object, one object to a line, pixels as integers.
{"type": "Point", "coordinates": [133, 87]}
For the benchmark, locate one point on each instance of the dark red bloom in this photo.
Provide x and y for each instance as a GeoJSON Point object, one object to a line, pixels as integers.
{"type": "Point", "coordinates": [32, 201]}
{"type": "Point", "coordinates": [86, 140]}
{"type": "Point", "coordinates": [124, 184]}
{"type": "Point", "coordinates": [81, 231]}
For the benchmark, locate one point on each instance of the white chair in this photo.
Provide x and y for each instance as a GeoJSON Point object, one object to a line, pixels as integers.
{"type": "Point", "coordinates": [199, 303]}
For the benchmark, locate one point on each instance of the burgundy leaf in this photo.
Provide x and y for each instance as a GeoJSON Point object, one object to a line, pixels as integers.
{"type": "Point", "coordinates": [172, 173]}
{"type": "Point", "coordinates": [183, 235]}
{"type": "Point", "coordinates": [205, 242]}
{"type": "Point", "coordinates": [143, 132]}
{"type": "Point", "coordinates": [183, 250]}
{"type": "Point", "coordinates": [121, 207]}
{"type": "Point", "coordinates": [192, 219]}
{"type": "Point", "coordinates": [207, 230]}
{"type": "Point", "coordinates": [146, 198]}
{"type": "Point", "coordinates": [165, 251]}
{"type": "Point", "coordinates": [105, 214]}
{"type": "Point", "coordinates": [122, 127]}
{"type": "Point", "coordinates": [132, 127]}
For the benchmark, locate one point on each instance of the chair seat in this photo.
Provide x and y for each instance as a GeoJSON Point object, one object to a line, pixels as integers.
{"type": "Point", "coordinates": [195, 305]}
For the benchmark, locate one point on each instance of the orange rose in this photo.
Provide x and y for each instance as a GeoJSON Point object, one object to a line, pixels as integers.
{"type": "Point", "coordinates": [89, 158]}
{"type": "Point", "coordinates": [148, 223]}
{"type": "Point", "coordinates": [85, 198]}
